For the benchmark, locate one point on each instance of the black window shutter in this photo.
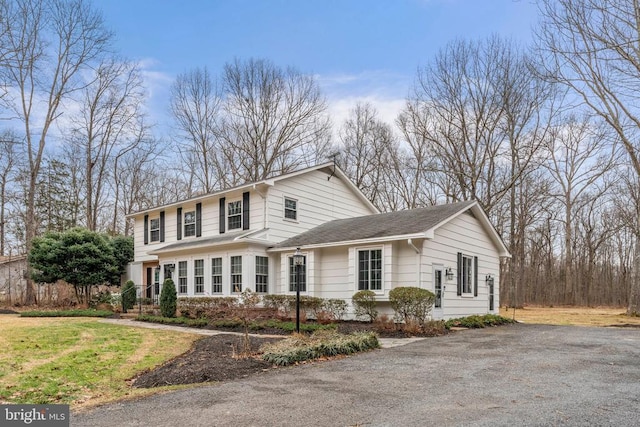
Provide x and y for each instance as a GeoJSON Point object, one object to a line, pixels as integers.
{"type": "Point", "coordinates": [475, 276]}
{"type": "Point", "coordinates": [162, 226]}
{"type": "Point", "coordinates": [146, 229]}
{"type": "Point", "coordinates": [222, 215]}
{"type": "Point", "coordinates": [198, 219]}
{"type": "Point", "coordinates": [179, 224]}
{"type": "Point", "coordinates": [459, 273]}
{"type": "Point", "coordinates": [245, 210]}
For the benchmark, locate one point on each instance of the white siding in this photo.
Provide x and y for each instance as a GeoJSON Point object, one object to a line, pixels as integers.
{"type": "Point", "coordinates": [463, 234]}
{"type": "Point", "coordinates": [319, 200]}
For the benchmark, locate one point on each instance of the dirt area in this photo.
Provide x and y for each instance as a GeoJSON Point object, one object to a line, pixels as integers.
{"type": "Point", "coordinates": [211, 359]}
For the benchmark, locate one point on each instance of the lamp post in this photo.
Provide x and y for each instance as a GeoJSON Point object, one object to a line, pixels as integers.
{"type": "Point", "coordinates": [298, 260]}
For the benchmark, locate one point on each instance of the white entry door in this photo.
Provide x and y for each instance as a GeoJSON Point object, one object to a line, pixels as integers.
{"type": "Point", "coordinates": [438, 290]}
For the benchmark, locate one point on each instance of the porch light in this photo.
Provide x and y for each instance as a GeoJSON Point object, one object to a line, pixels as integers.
{"type": "Point", "coordinates": [449, 273]}
{"type": "Point", "coordinates": [298, 260]}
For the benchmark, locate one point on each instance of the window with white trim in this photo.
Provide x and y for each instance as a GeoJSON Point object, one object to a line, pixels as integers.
{"type": "Point", "coordinates": [182, 277]}
{"type": "Point", "coordinates": [262, 274]}
{"type": "Point", "coordinates": [467, 274]}
{"type": "Point", "coordinates": [234, 215]}
{"type": "Point", "coordinates": [293, 277]}
{"type": "Point", "coordinates": [198, 276]}
{"type": "Point", "coordinates": [154, 230]}
{"type": "Point", "coordinates": [370, 269]}
{"type": "Point", "coordinates": [290, 209]}
{"type": "Point", "coordinates": [189, 224]}
{"type": "Point", "coordinates": [236, 274]}
{"type": "Point", "coordinates": [216, 275]}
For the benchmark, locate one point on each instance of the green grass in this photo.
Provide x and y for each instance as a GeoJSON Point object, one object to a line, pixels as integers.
{"type": "Point", "coordinates": [78, 361]}
{"type": "Point", "coordinates": [68, 313]}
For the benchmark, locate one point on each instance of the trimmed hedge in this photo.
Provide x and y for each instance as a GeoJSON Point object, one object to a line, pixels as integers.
{"type": "Point", "coordinates": [173, 320]}
{"type": "Point", "coordinates": [364, 304]}
{"type": "Point", "coordinates": [68, 313]}
{"type": "Point", "coordinates": [477, 321]}
{"type": "Point", "coordinates": [299, 348]}
{"type": "Point", "coordinates": [411, 304]}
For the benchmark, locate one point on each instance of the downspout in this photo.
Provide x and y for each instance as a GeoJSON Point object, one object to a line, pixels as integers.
{"type": "Point", "coordinates": [418, 262]}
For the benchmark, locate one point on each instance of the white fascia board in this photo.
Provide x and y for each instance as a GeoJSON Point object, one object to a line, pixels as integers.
{"type": "Point", "coordinates": [353, 242]}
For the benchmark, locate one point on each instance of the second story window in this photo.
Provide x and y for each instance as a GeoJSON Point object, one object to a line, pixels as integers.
{"type": "Point", "coordinates": [189, 223]}
{"type": "Point", "coordinates": [234, 218]}
{"type": "Point", "coordinates": [290, 209]}
{"type": "Point", "coordinates": [154, 230]}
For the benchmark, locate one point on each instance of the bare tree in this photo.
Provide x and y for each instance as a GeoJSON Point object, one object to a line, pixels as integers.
{"type": "Point", "coordinates": [8, 170]}
{"type": "Point", "coordinates": [592, 47]}
{"type": "Point", "coordinates": [195, 104]}
{"type": "Point", "coordinates": [477, 105]}
{"type": "Point", "coordinates": [107, 124]}
{"type": "Point", "coordinates": [273, 119]}
{"type": "Point", "coordinates": [365, 146]}
{"type": "Point", "coordinates": [51, 42]}
{"type": "Point", "coordinates": [579, 157]}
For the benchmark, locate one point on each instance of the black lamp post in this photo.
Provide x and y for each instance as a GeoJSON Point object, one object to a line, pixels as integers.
{"type": "Point", "coordinates": [298, 260]}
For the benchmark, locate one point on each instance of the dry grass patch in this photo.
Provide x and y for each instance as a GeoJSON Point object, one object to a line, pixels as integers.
{"type": "Point", "coordinates": [79, 361]}
{"type": "Point", "coordinates": [578, 316]}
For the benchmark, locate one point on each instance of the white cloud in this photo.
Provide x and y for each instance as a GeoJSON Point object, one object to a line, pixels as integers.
{"type": "Point", "coordinates": [384, 90]}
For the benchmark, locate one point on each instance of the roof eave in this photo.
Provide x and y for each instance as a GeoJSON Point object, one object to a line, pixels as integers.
{"type": "Point", "coordinates": [352, 242]}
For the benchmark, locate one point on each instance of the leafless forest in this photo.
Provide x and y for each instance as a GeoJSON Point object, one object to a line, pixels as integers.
{"type": "Point", "coordinates": [545, 137]}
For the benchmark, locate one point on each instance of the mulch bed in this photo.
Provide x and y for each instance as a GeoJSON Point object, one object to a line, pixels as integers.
{"type": "Point", "coordinates": [210, 359]}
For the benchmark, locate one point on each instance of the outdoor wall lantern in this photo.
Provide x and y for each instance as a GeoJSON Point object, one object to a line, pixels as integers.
{"type": "Point", "coordinates": [298, 261]}
{"type": "Point", "coordinates": [449, 273]}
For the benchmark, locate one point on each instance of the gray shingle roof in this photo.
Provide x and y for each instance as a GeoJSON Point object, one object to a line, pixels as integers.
{"type": "Point", "coordinates": [381, 225]}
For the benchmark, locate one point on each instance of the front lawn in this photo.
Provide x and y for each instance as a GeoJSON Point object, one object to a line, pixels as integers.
{"type": "Point", "coordinates": [78, 361]}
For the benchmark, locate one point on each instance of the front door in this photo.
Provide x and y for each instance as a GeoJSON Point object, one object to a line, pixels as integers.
{"type": "Point", "coordinates": [438, 290]}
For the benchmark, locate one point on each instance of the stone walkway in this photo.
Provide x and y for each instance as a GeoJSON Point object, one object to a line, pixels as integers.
{"type": "Point", "coordinates": [384, 342]}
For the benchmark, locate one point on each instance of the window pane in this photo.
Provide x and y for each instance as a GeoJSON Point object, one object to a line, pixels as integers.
{"type": "Point", "coordinates": [236, 274]}
{"type": "Point", "coordinates": [262, 274]}
{"type": "Point", "coordinates": [154, 230]}
{"type": "Point", "coordinates": [198, 274]}
{"type": "Point", "coordinates": [189, 223]}
{"type": "Point", "coordinates": [290, 209]}
{"type": "Point", "coordinates": [216, 275]}
{"type": "Point", "coordinates": [182, 277]}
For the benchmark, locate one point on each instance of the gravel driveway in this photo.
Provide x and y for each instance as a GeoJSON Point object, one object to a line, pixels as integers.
{"type": "Point", "coordinates": [512, 375]}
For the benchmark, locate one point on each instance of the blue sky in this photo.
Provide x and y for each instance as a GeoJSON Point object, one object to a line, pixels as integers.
{"type": "Point", "coordinates": [360, 50]}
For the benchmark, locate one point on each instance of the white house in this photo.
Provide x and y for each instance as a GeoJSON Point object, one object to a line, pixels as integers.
{"type": "Point", "coordinates": [244, 237]}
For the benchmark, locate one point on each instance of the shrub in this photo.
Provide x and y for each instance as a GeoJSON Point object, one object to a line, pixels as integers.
{"type": "Point", "coordinates": [101, 298]}
{"type": "Point", "coordinates": [364, 304]}
{"type": "Point", "coordinates": [168, 299]}
{"type": "Point", "coordinates": [478, 321]}
{"type": "Point", "coordinates": [336, 307]}
{"type": "Point", "coordinates": [128, 295]}
{"type": "Point", "coordinates": [210, 307]}
{"type": "Point", "coordinates": [321, 344]}
{"type": "Point", "coordinates": [311, 305]}
{"type": "Point", "coordinates": [411, 304]}
{"type": "Point", "coordinates": [324, 317]}
{"type": "Point", "coordinates": [384, 324]}
{"type": "Point", "coordinates": [173, 320]}
{"type": "Point", "coordinates": [284, 304]}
